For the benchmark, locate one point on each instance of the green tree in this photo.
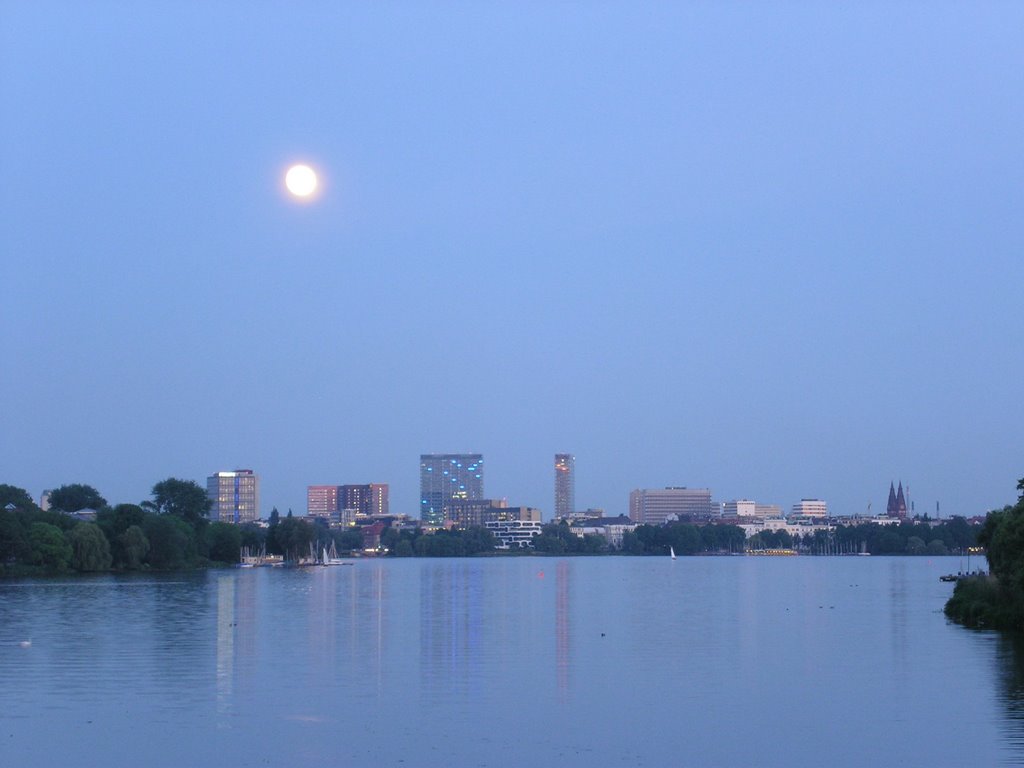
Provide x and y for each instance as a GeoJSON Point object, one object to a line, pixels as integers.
{"type": "Point", "coordinates": [135, 546]}
{"type": "Point", "coordinates": [16, 497]}
{"type": "Point", "coordinates": [114, 522]}
{"type": "Point", "coordinates": [274, 522]}
{"type": "Point", "coordinates": [48, 546]}
{"type": "Point", "coordinates": [996, 602]}
{"type": "Point", "coordinates": [172, 542]}
{"type": "Point", "coordinates": [71, 498]}
{"type": "Point", "coordinates": [937, 547]}
{"type": "Point", "coordinates": [890, 542]}
{"type": "Point", "coordinates": [916, 545]}
{"type": "Point", "coordinates": [184, 498]}
{"type": "Point", "coordinates": [403, 548]}
{"type": "Point", "coordinates": [294, 536]}
{"type": "Point", "coordinates": [478, 539]}
{"type": "Point", "coordinates": [632, 543]}
{"type": "Point", "coordinates": [90, 548]}
{"type": "Point", "coordinates": [348, 540]}
{"type": "Point", "coordinates": [223, 542]}
{"type": "Point", "coordinates": [14, 543]}
{"type": "Point", "coordinates": [253, 536]}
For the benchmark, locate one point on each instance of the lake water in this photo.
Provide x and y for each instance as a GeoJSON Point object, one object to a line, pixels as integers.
{"type": "Point", "coordinates": [605, 661]}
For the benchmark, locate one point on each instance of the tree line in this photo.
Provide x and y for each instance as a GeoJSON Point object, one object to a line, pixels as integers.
{"type": "Point", "coordinates": [170, 531]}
{"type": "Point", "coordinates": [995, 600]}
{"type": "Point", "coordinates": [909, 537]}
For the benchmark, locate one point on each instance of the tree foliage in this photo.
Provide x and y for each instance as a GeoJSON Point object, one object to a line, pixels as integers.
{"type": "Point", "coordinates": [76, 496]}
{"type": "Point", "coordinates": [183, 498]}
{"type": "Point", "coordinates": [134, 547]}
{"type": "Point", "coordinates": [172, 542]}
{"type": "Point", "coordinates": [16, 497]}
{"type": "Point", "coordinates": [293, 537]}
{"type": "Point", "coordinates": [995, 601]}
{"type": "Point", "coordinates": [90, 548]}
{"type": "Point", "coordinates": [223, 542]}
{"type": "Point", "coordinates": [49, 548]}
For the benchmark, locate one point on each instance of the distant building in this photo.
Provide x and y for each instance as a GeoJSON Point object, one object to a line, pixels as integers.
{"type": "Point", "coordinates": [659, 506]}
{"type": "Point", "coordinates": [612, 528]}
{"type": "Point", "coordinates": [897, 506]}
{"type": "Point", "coordinates": [739, 508]}
{"type": "Point", "coordinates": [810, 508]}
{"type": "Point", "coordinates": [341, 503]}
{"type": "Point", "coordinates": [234, 496]}
{"type": "Point", "coordinates": [448, 476]}
{"type": "Point", "coordinates": [514, 534]}
{"type": "Point", "coordinates": [803, 527]}
{"type": "Point", "coordinates": [463, 513]}
{"type": "Point", "coordinates": [44, 501]}
{"type": "Point", "coordinates": [370, 499]}
{"type": "Point", "coordinates": [745, 508]}
{"type": "Point", "coordinates": [371, 536]}
{"type": "Point", "coordinates": [565, 485]}
{"type": "Point", "coordinates": [322, 500]}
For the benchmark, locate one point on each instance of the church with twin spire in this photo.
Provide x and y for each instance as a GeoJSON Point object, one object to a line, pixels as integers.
{"type": "Point", "coordinates": [897, 506]}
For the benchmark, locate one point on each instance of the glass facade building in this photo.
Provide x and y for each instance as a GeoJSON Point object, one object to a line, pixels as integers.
{"type": "Point", "coordinates": [234, 496]}
{"type": "Point", "coordinates": [447, 476]}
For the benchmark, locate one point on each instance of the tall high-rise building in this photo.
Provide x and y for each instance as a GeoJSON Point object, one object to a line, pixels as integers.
{"type": "Point", "coordinates": [234, 496]}
{"type": "Point", "coordinates": [446, 476]}
{"type": "Point", "coordinates": [656, 506]}
{"type": "Point", "coordinates": [565, 485]}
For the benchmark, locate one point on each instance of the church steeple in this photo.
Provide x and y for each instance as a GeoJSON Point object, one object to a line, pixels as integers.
{"type": "Point", "coordinates": [890, 508]}
{"type": "Point", "coordinates": [901, 502]}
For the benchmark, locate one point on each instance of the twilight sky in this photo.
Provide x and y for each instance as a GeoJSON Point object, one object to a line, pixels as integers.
{"type": "Point", "coordinates": [773, 249]}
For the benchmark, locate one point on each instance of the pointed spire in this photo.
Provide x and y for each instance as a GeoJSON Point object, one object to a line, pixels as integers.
{"type": "Point", "coordinates": [890, 508]}
{"type": "Point", "coordinates": [901, 502]}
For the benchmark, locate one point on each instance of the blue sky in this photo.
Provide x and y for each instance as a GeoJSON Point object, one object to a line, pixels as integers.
{"type": "Point", "coordinates": [772, 249]}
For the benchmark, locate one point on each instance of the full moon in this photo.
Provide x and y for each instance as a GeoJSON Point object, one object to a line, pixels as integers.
{"type": "Point", "coordinates": [300, 180]}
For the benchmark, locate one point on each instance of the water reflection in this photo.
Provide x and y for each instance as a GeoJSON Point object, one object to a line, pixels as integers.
{"type": "Point", "coordinates": [414, 659]}
{"type": "Point", "coordinates": [898, 590]}
{"type": "Point", "coordinates": [225, 647]}
{"type": "Point", "coordinates": [562, 655]}
{"type": "Point", "coordinates": [451, 608]}
{"type": "Point", "coordinates": [1009, 659]}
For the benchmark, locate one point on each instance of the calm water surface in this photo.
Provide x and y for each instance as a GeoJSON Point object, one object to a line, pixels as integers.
{"type": "Point", "coordinates": [501, 662]}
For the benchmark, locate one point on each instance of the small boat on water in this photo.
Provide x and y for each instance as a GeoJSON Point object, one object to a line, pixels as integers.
{"type": "Point", "coordinates": [330, 557]}
{"type": "Point", "coordinates": [671, 552]}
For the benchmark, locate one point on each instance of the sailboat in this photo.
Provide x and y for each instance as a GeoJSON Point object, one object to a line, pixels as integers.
{"type": "Point", "coordinates": [331, 556]}
{"type": "Point", "coordinates": [671, 552]}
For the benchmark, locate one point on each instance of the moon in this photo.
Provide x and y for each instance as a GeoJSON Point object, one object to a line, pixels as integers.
{"type": "Point", "coordinates": [301, 181]}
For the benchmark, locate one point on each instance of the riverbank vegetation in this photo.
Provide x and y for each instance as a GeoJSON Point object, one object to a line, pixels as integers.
{"type": "Point", "coordinates": [995, 600]}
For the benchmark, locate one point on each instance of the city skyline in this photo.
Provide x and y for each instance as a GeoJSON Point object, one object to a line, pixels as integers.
{"type": "Point", "coordinates": [772, 250]}
{"type": "Point", "coordinates": [666, 499]}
